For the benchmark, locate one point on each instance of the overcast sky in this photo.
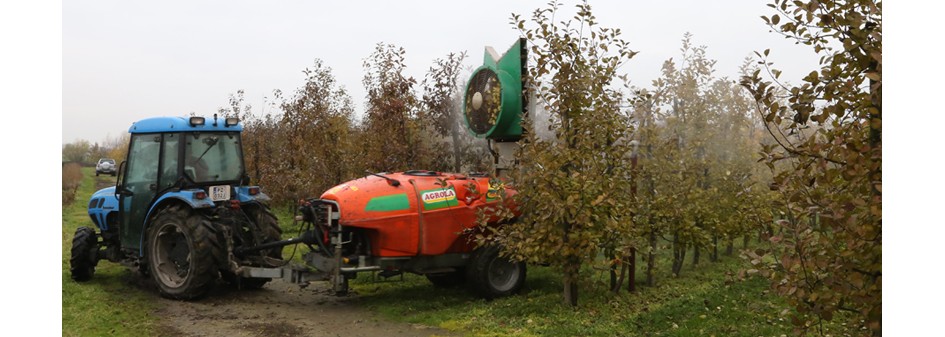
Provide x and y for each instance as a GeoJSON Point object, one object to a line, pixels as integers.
{"type": "Point", "coordinates": [125, 60]}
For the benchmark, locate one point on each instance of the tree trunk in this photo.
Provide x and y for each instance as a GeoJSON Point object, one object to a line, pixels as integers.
{"type": "Point", "coordinates": [675, 254]}
{"type": "Point", "coordinates": [715, 248]}
{"type": "Point", "coordinates": [629, 262]}
{"type": "Point", "coordinates": [745, 241]}
{"type": "Point", "coordinates": [571, 269]}
{"type": "Point", "coordinates": [615, 286]}
{"type": "Point", "coordinates": [613, 269]}
{"type": "Point", "coordinates": [651, 261]}
{"type": "Point", "coordinates": [695, 255]}
{"type": "Point", "coordinates": [632, 281]}
{"type": "Point", "coordinates": [457, 161]}
{"type": "Point", "coordinates": [730, 247]}
{"type": "Point", "coordinates": [572, 266]}
{"type": "Point", "coordinates": [632, 259]}
{"type": "Point", "coordinates": [675, 260]}
{"type": "Point", "coordinates": [679, 255]}
{"type": "Point", "coordinates": [682, 257]}
{"type": "Point", "coordinates": [256, 159]}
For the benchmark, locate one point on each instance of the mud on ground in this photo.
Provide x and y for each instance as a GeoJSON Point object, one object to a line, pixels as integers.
{"type": "Point", "coordinates": [278, 309]}
{"type": "Point", "coordinates": [103, 182]}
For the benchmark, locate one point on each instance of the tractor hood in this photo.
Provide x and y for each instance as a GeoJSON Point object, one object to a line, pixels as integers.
{"type": "Point", "coordinates": [102, 204]}
{"type": "Point", "coordinates": [108, 191]}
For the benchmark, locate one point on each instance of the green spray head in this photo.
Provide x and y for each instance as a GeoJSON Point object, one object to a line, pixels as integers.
{"type": "Point", "coordinates": [495, 98]}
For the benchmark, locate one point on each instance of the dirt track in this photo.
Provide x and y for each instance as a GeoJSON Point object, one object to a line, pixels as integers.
{"type": "Point", "coordinates": [278, 309]}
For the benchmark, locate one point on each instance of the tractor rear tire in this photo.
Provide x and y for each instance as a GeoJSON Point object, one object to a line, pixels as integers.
{"type": "Point", "coordinates": [491, 276]}
{"type": "Point", "coordinates": [183, 253]}
{"type": "Point", "coordinates": [84, 254]}
{"type": "Point", "coordinates": [268, 231]}
{"type": "Point", "coordinates": [448, 280]}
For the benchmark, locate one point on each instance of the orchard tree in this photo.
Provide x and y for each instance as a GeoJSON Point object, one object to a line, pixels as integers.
{"type": "Point", "coordinates": [255, 131]}
{"type": "Point", "coordinates": [696, 181]}
{"type": "Point", "coordinates": [118, 147]}
{"type": "Point", "coordinates": [307, 146]}
{"type": "Point", "coordinates": [77, 151]}
{"type": "Point", "coordinates": [440, 116]}
{"type": "Point", "coordinates": [316, 151]}
{"type": "Point", "coordinates": [827, 255]}
{"type": "Point", "coordinates": [97, 151]}
{"type": "Point", "coordinates": [237, 106]}
{"type": "Point", "coordinates": [647, 218]}
{"type": "Point", "coordinates": [391, 139]}
{"type": "Point", "coordinates": [677, 125]}
{"type": "Point", "coordinates": [574, 186]}
{"type": "Point", "coordinates": [687, 125]}
{"type": "Point", "coordinates": [737, 182]}
{"type": "Point", "coordinates": [263, 141]}
{"type": "Point", "coordinates": [318, 121]}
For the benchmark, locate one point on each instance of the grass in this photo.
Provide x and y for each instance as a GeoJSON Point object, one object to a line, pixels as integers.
{"type": "Point", "coordinates": [708, 300]}
{"type": "Point", "coordinates": [110, 304]}
{"type": "Point", "coordinates": [676, 307]}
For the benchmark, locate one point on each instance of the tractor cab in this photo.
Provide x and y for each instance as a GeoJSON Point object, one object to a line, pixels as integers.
{"type": "Point", "coordinates": [180, 204]}
{"type": "Point", "coordinates": [194, 160]}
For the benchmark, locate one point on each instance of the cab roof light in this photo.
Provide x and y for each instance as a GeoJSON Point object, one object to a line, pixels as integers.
{"type": "Point", "coordinates": [195, 121]}
{"type": "Point", "coordinates": [231, 121]}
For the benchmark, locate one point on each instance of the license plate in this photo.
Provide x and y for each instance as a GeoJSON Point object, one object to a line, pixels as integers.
{"type": "Point", "coordinates": [220, 193]}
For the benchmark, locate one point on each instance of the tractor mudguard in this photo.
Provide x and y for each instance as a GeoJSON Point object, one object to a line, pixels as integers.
{"type": "Point", "coordinates": [244, 196]}
{"type": "Point", "coordinates": [187, 196]}
{"type": "Point", "coordinates": [102, 203]}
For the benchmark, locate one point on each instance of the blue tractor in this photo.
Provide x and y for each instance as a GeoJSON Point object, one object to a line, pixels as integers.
{"type": "Point", "coordinates": [183, 212]}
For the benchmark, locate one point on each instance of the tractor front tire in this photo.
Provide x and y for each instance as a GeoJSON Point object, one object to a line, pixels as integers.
{"type": "Point", "coordinates": [491, 276]}
{"type": "Point", "coordinates": [183, 253]}
{"type": "Point", "coordinates": [268, 230]}
{"type": "Point", "coordinates": [84, 254]}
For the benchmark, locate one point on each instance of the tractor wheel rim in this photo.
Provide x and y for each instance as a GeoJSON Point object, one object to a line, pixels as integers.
{"type": "Point", "coordinates": [172, 255]}
{"type": "Point", "coordinates": [503, 274]}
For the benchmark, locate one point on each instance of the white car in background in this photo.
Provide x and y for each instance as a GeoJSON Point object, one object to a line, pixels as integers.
{"type": "Point", "coordinates": [105, 165]}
